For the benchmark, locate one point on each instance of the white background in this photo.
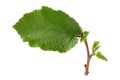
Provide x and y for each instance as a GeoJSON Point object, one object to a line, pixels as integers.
{"type": "Point", "coordinates": [18, 61]}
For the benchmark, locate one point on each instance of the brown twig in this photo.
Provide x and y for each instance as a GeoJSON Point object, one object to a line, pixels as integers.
{"type": "Point", "coordinates": [89, 56]}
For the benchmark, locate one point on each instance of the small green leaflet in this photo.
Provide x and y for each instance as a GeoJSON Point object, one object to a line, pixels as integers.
{"type": "Point", "coordinates": [97, 48]}
{"type": "Point", "coordinates": [85, 34]}
{"type": "Point", "coordinates": [96, 45]}
{"type": "Point", "coordinates": [100, 56]}
{"type": "Point", "coordinates": [48, 29]}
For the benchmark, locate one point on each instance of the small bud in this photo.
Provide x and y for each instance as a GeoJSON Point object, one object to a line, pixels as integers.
{"type": "Point", "coordinates": [85, 65]}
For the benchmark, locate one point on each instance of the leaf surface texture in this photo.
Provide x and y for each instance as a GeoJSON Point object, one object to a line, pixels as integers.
{"type": "Point", "coordinates": [48, 29]}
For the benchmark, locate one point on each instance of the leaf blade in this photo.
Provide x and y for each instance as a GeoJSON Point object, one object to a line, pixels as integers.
{"type": "Point", "coordinates": [96, 48]}
{"type": "Point", "coordinates": [95, 45]}
{"type": "Point", "coordinates": [100, 56]}
{"type": "Point", "coordinates": [48, 29]}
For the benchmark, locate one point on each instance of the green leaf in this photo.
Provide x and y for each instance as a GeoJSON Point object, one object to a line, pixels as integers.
{"type": "Point", "coordinates": [83, 39]}
{"type": "Point", "coordinates": [96, 48]}
{"type": "Point", "coordinates": [100, 56]}
{"type": "Point", "coordinates": [48, 29]}
{"type": "Point", "coordinates": [96, 44]}
{"type": "Point", "coordinates": [85, 34]}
